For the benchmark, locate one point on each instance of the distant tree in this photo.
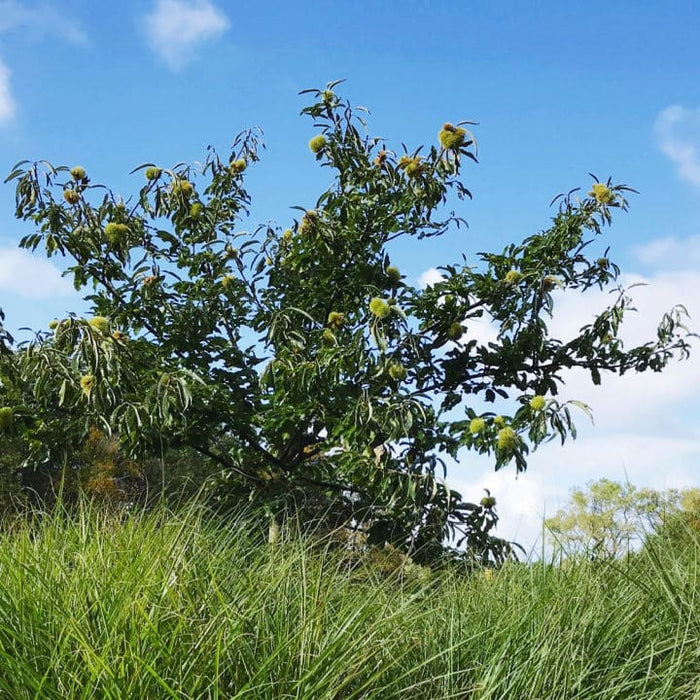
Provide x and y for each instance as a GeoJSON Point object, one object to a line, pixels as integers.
{"type": "Point", "coordinates": [680, 530]}
{"type": "Point", "coordinates": [608, 519]}
{"type": "Point", "coordinates": [298, 358]}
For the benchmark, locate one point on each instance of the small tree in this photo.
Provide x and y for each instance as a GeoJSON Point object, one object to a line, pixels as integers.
{"type": "Point", "coordinates": [680, 530]}
{"type": "Point", "coordinates": [608, 519]}
{"type": "Point", "coordinates": [299, 358]}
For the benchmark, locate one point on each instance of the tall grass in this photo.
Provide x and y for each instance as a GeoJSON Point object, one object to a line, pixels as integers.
{"type": "Point", "coordinates": [164, 605]}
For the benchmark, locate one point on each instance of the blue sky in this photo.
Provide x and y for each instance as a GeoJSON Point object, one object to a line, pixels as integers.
{"type": "Point", "coordinates": [559, 90]}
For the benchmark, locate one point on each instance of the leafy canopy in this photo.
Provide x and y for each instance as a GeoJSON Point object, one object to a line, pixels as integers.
{"type": "Point", "coordinates": [299, 358]}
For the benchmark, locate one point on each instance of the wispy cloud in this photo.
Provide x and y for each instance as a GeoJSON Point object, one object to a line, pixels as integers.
{"type": "Point", "coordinates": [29, 277]}
{"type": "Point", "coordinates": [7, 102]}
{"type": "Point", "coordinates": [41, 20]}
{"type": "Point", "coordinates": [175, 28]}
{"type": "Point", "coordinates": [677, 130]}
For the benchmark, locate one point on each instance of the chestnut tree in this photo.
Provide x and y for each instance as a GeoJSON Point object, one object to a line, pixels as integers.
{"type": "Point", "coordinates": [299, 358]}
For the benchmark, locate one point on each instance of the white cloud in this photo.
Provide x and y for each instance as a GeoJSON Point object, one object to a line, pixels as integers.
{"type": "Point", "coordinates": [176, 27]}
{"type": "Point", "coordinates": [35, 22]}
{"type": "Point", "coordinates": [430, 278]}
{"type": "Point", "coordinates": [29, 277]}
{"type": "Point", "coordinates": [520, 500]}
{"type": "Point", "coordinates": [646, 425]}
{"type": "Point", "coordinates": [480, 329]}
{"type": "Point", "coordinates": [677, 130]}
{"type": "Point", "coordinates": [7, 102]}
{"type": "Point", "coordinates": [41, 20]}
{"type": "Point", "coordinates": [525, 500]}
{"type": "Point", "coordinates": [670, 253]}
{"type": "Point", "coordinates": [635, 398]}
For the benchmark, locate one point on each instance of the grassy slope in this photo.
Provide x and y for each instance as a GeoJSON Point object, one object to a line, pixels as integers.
{"type": "Point", "coordinates": [170, 606]}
